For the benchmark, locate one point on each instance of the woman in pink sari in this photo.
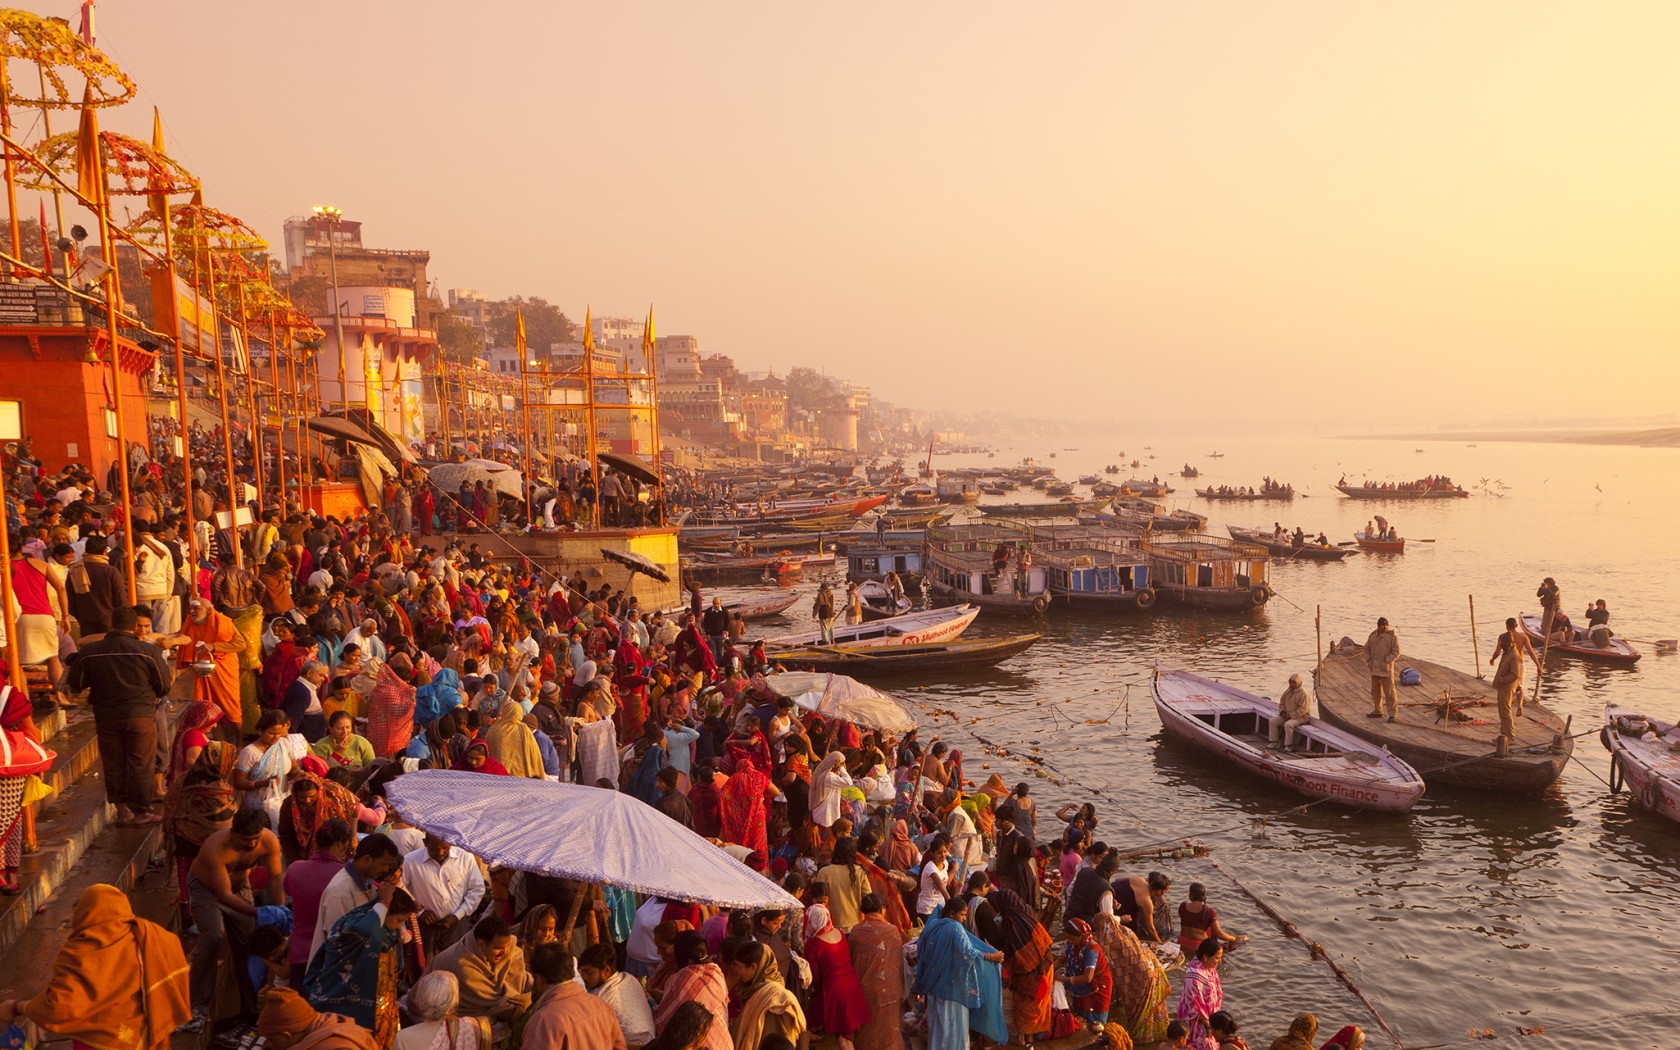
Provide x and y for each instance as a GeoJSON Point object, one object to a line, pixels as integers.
{"type": "Point", "coordinates": [1202, 995]}
{"type": "Point", "coordinates": [698, 981]}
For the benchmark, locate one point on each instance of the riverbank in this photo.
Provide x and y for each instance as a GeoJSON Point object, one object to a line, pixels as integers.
{"type": "Point", "coordinates": [1662, 437]}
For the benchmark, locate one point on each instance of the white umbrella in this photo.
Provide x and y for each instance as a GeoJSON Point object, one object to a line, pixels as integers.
{"type": "Point", "coordinates": [849, 700]}
{"type": "Point", "coordinates": [574, 832]}
{"type": "Point", "coordinates": [496, 476]}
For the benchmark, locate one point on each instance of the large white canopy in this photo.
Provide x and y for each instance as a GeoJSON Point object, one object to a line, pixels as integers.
{"type": "Point", "coordinates": [576, 832]}
{"type": "Point", "coordinates": [844, 698]}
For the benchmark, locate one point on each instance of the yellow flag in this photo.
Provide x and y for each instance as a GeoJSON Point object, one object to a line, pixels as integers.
{"type": "Point", "coordinates": [158, 200]}
{"type": "Point", "coordinates": [588, 333]}
{"type": "Point", "coordinates": [519, 334]}
{"type": "Point", "coordinates": [90, 158]}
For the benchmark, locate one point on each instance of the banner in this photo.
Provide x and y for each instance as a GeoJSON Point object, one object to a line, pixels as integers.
{"type": "Point", "coordinates": [181, 304]}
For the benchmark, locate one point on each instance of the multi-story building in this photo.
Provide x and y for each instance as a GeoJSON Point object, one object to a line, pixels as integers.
{"type": "Point", "coordinates": [473, 308]}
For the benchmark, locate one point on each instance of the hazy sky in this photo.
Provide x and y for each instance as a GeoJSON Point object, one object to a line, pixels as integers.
{"type": "Point", "coordinates": [1326, 210]}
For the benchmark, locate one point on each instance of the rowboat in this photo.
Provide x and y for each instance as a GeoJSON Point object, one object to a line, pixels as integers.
{"type": "Point", "coordinates": [877, 604]}
{"type": "Point", "coordinates": [887, 661]}
{"type": "Point", "coordinates": [1243, 496]}
{"type": "Point", "coordinates": [1147, 489]}
{"type": "Point", "coordinates": [1062, 508]}
{"type": "Point", "coordinates": [928, 625]}
{"type": "Point", "coordinates": [1376, 546]}
{"type": "Point", "coordinates": [782, 563]}
{"type": "Point", "coordinates": [1285, 549]}
{"type": "Point", "coordinates": [1417, 491]}
{"type": "Point", "coordinates": [1617, 652]}
{"type": "Point", "coordinates": [1643, 757]}
{"type": "Point", "coordinates": [761, 608]}
{"type": "Point", "coordinates": [1447, 726]}
{"type": "Point", "coordinates": [1234, 724]}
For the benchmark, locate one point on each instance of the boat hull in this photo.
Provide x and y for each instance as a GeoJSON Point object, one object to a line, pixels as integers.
{"type": "Point", "coordinates": [1379, 546]}
{"type": "Point", "coordinates": [870, 663]}
{"type": "Point", "coordinates": [997, 604]}
{"type": "Point", "coordinates": [1377, 780]}
{"type": "Point", "coordinates": [1288, 551]}
{"type": "Point", "coordinates": [1461, 754]}
{"type": "Point", "coordinates": [941, 625]}
{"type": "Point", "coordinates": [1644, 765]}
{"type": "Point", "coordinates": [1360, 492]}
{"type": "Point", "coordinates": [1619, 651]}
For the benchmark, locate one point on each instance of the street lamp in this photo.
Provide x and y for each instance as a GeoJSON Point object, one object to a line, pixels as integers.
{"type": "Point", "coordinates": [331, 216]}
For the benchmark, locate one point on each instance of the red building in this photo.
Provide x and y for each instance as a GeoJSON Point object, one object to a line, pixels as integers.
{"type": "Point", "coordinates": [58, 369]}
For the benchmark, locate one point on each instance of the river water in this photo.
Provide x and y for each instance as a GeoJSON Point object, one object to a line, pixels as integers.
{"type": "Point", "coordinates": [1470, 912]}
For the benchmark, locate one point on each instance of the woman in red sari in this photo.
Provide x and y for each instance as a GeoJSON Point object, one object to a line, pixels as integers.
{"type": "Point", "coordinates": [476, 759]}
{"type": "Point", "coordinates": [842, 1007]}
{"type": "Point", "coordinates": [1028, 964]}
{"type": "Point", "coordinates": [742, 803]}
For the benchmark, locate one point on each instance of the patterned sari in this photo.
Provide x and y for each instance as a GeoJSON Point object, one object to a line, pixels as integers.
{"type": "Point", "coordinates": [742, 808]}
{"type": "Point", "coordinates": [1201, 997]}
{"type": "Point", "coordinates": [701, 983]}
{"type": "Point", "coordinates": [1141, 988]}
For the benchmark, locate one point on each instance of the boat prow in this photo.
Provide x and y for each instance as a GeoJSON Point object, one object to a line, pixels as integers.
{"type": "Point", "coordinates": [1334, 765]}
{"type": "Point", "coordinates": [1643, 757]}
{"type": "Point", "coordinates": [1447, 727]}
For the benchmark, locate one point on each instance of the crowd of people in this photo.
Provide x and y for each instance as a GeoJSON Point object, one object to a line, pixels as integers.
{"type": "Point", "coordinates": [355, 651]}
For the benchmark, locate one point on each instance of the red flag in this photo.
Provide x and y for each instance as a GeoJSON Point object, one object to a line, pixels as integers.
{"type": "Point", "coordinates": [46, 243]}
{"type": "Point", "coordinates": [86, 32]}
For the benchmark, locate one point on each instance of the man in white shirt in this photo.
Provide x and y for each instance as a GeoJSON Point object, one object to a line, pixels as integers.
{"type": "Point", "coordinates": [321, 579]}
{"type": "Point", "coordinates": [448, 886]}
{"type": "Point", "coordinates": [598, 968]}
{"type": "Point", "coordinates": [366, 635]}
{"type": "Point", "coordinates": [377, 860]}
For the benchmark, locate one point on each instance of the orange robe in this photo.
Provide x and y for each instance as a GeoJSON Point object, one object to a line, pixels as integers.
{"type": "Point", "coordinates": [221, 686]}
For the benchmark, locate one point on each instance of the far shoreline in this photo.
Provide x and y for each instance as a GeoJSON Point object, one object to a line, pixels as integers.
{"type": "Point", "coordinates": [1662, 437]}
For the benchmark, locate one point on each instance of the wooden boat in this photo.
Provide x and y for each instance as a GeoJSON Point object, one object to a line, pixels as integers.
{"type": "Point", "coordinates": [1147, 489]}
{"type": "Point", "coordinates": [1375, 546]}
{"type": "Point", "coordinates": [761, 608]}
{"type": "Point", "coordinates": [1643, 757]}
{"type": "Point", "coordinates": [1216, 455]}
{"type": "Point", "coordinates": [1058, 488]}
{"type": "Point", "coordinates": [1090, 566]}
{"type": "Point", "coordinates": [959, 565]}
{"type": "Point", "coordinates": [1332, 763]}
{"type": "Point", "coordinates": [877, 604]}
{"type": "Point", "coordinates": [1061, 508]}
{"type": "Point", "coordinates": [1287, 550]}
{"type": "Point", "coordinates": [871, 662]}
{"type": "Point", "coordinates": [1280, 495]}
{"type": "Point", "coordinates": [1406, 490]}
{"type": "Point", "coordinates": [781, 563]}
{"type": "Point", "coordinates": [1447, 726]}
{"type": "Point", "coordinates": [917, 496]}
{"type": "Point", "coordinates": [1089, 479]}
{"type": "Point", "coordinates": [1189, 472]}
{"type": "Point", "coordinates": [1618, 651]}
{"type": "Point", "coordinates": [1207, 572]}
{"type": "Point", "coordinates": [929, 625]}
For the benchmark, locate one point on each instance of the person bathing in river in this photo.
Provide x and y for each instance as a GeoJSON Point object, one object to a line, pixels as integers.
{"type": "Point", "coordinates": [1135, 899]}
{"type": "Point", "coordinates": [1197, 921]}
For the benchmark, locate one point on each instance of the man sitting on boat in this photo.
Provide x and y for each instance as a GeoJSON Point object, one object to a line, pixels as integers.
{"type": "Point", "coordinates": [1598, 625]}
{"type": "Point", "coordinates": [1563, 629]}
{"type": "Point", "coordinates": [1294, 711]}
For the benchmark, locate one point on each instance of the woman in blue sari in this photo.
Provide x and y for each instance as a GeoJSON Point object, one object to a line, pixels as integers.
{"type": "Point", "coordinates": [355, 971]}
{"type": "Point", "coordinates": [960, 977]}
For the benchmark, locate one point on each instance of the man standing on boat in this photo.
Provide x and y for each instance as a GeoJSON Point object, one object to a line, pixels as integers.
{"type": "Point", "coordinates": [1382, 648]}
{"type": "Point", "coordinates": [1507, 680]}
{"type": "Point", "coordinates": [822, 609]}
{"type": "Point", "coordinates": [1549, 597]}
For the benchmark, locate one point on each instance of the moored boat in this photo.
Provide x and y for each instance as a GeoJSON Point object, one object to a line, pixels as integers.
{"type": "Point", "coordinates": [1061, 508]}
{"type": "Point", "coordinates": [1447, 726]}
{"type": "Point", "coordinates": [1643, 757]}
{"type": "Point", "coordinates": [1332, 764]}
{"type": "Point", "coordinates": [871, 662]}
{"type": "Point", "coordinates": [1423, 488]}
{"type": "Point", "coordinates": [981, 564]}
{"type": "Point", "coordinates": [928, 625]}
{"type": "Point", "coordinates": [1616, 652]}
{"type": "Point", "coordinates": [1090, 566]}
{"type": "Point", "coordinates": [1207, 572]}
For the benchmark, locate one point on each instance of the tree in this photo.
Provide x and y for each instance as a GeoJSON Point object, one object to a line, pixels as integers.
{"type": "Point", "coordinates": [458, 339]}
{"type": "Point", "coordinates": [810, 390]}
{"type": "Point", "coordinates": [545, 324]}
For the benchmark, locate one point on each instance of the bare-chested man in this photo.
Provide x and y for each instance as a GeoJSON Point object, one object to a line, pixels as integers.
{"type": "Point", "coordinates": [220, 894]}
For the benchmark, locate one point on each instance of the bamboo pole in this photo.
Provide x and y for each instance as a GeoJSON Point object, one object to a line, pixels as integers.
{"type": "Point", "coordinates": [180, 384]}
{"type": "Point", "coordinates": [1475, 644]}
{"type": "Point", "coordinates": [113, 300]}
{"type": "Point", "coordinates": [11, 171]}
{"type": "Point", "coordinates": [255, 434]}
{"type": "Point", "coordinates": [1318, 629]}
{"type": "Point", "coordinates": [14, 665]}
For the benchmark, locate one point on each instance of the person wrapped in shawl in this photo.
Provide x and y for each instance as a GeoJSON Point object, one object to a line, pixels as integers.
{"type": "Point", "coordinates": [513, 744]}
{"type": "Point", "coordinates": [766, 1006]}
{"type": "Point", "coordinates": [648, 757]}
{"type": "Point", "coordinates": [313, 800]}
{"type": "Point", "coordinates": [356, 969]}
{"type": "Point", "coordinates": [119, 982]}
{"type": "Point", "coordinates": [696, 980]}
{"type": "Point", "coordinates": [1028, 962]}
{"type": "Point", "coordinates": [391, 708]}
{"type": "Point", "coordinates": [476, 759]}
{"type": "Point", "coordinates": [1141, 988]}
{"type": "Point", "coordinates": [1085, 971]}
{"type": "Point", "coordinates": [958, 974]}
{"type": "Point", "coordinates": [743, 804]}
{"type": "Point", "coordinates": [199, 802]}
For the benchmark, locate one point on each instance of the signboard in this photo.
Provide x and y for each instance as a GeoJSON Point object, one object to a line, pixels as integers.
{"type": "Point", "coordinates": [17, 304]}
{"type": "Point", "coordinates": [224, 519]}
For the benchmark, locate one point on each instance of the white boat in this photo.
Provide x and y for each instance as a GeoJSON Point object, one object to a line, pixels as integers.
{"type": "Point", "coordinates": [1643, 757]}
{"type": "Point", "coordinates": [929, 625]}
{"type": "Point", "coordinates": [1333, 765]}
{"type": "Point", "coordinates": [878, 604]}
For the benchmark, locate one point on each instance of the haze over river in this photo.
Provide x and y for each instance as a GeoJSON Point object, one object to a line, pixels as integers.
{"type": "Point", "coordinates": [1470, 912]}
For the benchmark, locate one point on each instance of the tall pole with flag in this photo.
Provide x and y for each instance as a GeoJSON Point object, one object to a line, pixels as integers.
{"type": "Point", "coordinates": [90, 183]}
{"type": "Point", "coordinates": [525, 413]}
{"type": "Point", "coordinates": [649, 359]}
{"type": "Point", "coordinates": [589, 407]}
{"type": "Point", "coordinates": [159, 204]}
